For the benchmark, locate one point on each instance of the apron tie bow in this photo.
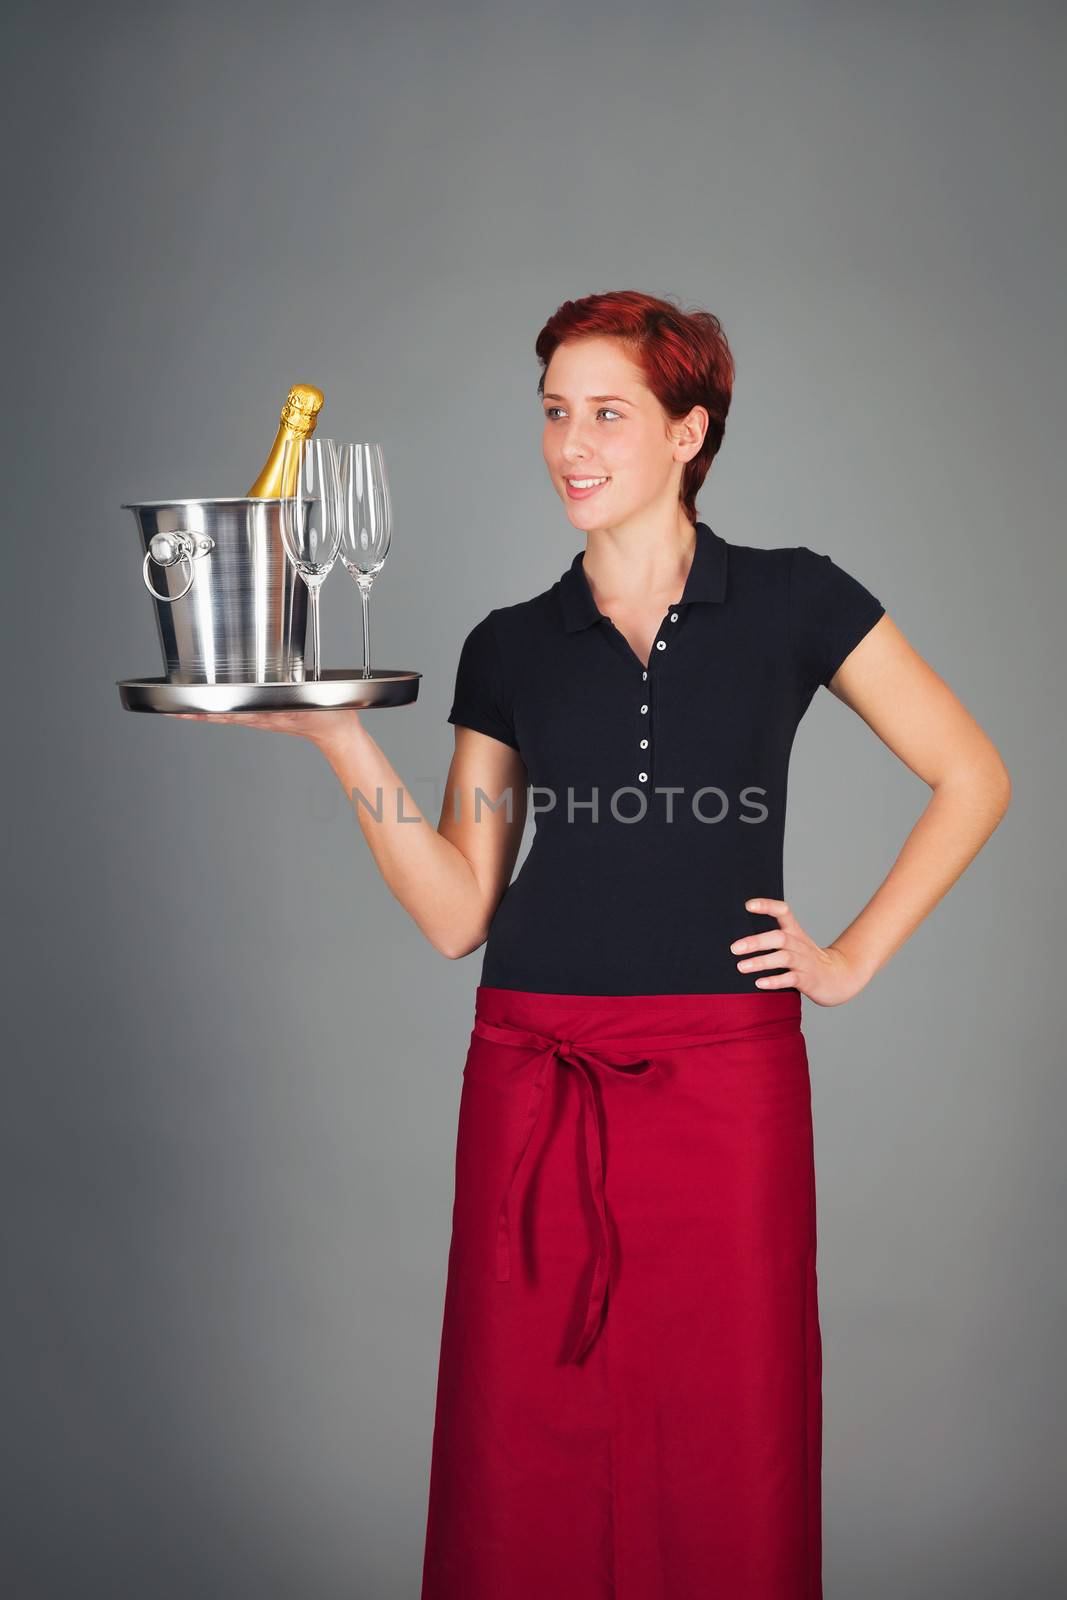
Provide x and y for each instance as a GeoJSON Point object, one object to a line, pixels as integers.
{"type": "Point", "coordinates": [585, 1063]}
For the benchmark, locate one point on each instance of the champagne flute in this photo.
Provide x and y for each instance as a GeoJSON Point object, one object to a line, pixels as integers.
{"type": "Point", "coordinates": [311, 517]}
{"type": "Point", "coordinates": [366, 522]}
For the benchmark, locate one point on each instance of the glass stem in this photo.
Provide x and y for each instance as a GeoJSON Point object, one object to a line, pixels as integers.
{"type": "Point", "coordinates": [290, 606]}
{"type": "Point", "coordinates": [364, 592]}
{"type": "Point", "coordinates": [315, 625]}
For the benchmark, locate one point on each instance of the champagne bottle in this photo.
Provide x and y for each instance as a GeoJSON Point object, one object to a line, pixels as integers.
{"type": "Point", "coordinates": [300, 413]}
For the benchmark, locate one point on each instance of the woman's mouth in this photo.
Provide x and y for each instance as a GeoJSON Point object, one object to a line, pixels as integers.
{"type": "Point", "coordinates": [582, 488]}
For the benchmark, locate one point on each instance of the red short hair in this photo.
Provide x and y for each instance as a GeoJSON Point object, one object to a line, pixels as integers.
{"type": "Point", "coordinates": [684, 356]}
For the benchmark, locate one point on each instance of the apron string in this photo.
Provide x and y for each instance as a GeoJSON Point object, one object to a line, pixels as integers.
{"type": "Point", "coordinates": [585, 1061]}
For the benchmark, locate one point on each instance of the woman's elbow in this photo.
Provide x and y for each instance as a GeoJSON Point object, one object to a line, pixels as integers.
{"type": "Point", "coordinates": [455, 944]}
{"type": "Point", "coordinates": [453, 953]}
{"type": "Point", "coordinates": [999, 784]}
{"type": "Point", "coordinates": [1004, 791]}
{"type": "Point", "coordinates": [989, 783]}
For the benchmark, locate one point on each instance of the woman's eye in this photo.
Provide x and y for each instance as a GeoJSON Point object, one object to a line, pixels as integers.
{"type": "Point", "coordinates": [550, 409]}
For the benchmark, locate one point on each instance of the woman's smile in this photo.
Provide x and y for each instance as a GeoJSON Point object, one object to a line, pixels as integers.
{"type": "Point", "coordinates": [582, 488]}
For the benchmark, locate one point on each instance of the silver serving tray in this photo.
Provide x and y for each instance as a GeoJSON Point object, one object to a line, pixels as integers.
{"type": "Point", "coordinates": [338, 687]}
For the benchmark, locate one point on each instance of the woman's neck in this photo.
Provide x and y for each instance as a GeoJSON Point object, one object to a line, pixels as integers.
{"type": "Point", "coordinates": [629, 568]}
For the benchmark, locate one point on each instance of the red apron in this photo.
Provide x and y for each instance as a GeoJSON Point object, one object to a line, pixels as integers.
{"type": "Point", "coordinates": [629, 1399]}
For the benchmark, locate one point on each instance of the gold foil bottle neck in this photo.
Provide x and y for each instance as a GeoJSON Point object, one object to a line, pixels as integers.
{"type": "Point", "coordinates": [299, 415]}
{"type": "Point", "coordinates": [301, 409]}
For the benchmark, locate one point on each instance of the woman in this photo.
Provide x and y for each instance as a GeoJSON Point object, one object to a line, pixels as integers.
{"type": "Point", "coordinates": [629, 1392]}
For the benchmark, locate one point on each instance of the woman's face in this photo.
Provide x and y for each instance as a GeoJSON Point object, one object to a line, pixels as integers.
{"type": "Point", "coordinates": [602, 422]}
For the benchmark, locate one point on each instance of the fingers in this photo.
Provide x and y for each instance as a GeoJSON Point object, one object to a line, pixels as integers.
{"type": "Point", "coordinates": [774, 942]}
{"type": "Point", "coordinates": [784, 980]}
{"type": "Point", "coordinates": [773, 939]}
{"type": "Point", "coordinates": [770, 908]}
{"type": "Point", "coordinates": [770, 938]}
{"type": "Point", "coordinates": [243, 719]}
{"type": "Point", "coordinates": [206, 716]}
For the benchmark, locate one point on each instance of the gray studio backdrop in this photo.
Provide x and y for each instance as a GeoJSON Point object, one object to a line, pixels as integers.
{"type": "Point", "coordinates": [233, 1063]}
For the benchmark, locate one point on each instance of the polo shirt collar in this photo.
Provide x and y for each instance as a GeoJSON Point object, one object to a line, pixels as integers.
{"type": "Point", "coordinates": [706, 581]}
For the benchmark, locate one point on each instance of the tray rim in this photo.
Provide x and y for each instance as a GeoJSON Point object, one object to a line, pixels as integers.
{"type": "Point", "coordinates": [345, 689]}
{"type": "Point", "coordinates": [331, 675]}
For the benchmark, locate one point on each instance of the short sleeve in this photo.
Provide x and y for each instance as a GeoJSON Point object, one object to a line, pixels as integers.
{"type": "Point", "coordinates": [481, 700]}
{"type": "Point", "coordinates": [829, 613]}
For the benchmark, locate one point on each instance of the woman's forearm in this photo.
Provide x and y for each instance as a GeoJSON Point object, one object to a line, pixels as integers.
{"type": "Point", "coordinates": [427, 874]}
{"type": "Point", "coordinates": [959, 817]}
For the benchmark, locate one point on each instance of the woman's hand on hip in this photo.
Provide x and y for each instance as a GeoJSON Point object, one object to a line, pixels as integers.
{"type": "Point", "coordinates": [826, 976]}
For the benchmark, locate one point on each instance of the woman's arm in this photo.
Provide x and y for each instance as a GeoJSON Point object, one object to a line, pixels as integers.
{"type": "Point", "coordinates": [917, 716]}
{"type": "Point", "coordinates": [915, 713]}
{"type": "Point", "coordinates": [449, 878]}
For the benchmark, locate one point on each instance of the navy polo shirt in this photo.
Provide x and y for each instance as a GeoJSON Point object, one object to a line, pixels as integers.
{"type": "Point", "coordinates": [658, 790]}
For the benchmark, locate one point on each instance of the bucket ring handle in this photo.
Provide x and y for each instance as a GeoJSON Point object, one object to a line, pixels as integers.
{"type": "Point", "coordinates": [169, 550]}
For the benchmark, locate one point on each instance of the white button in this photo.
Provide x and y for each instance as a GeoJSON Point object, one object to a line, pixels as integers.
{"type": "Point", "coordinates": [644, 674]}
{"type": "Point", "coordinates": [644, 744]}
{"type": "Point", "coordinates": [674, 616]}
{"type": "Point", "coordinates": [643, 776]}
{"type": "Point", "coordinates": [661, 644]}
{"type": "Point", "coordinates": [644, 708]}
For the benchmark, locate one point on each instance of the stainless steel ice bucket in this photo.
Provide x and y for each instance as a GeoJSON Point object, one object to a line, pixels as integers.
{"type": "Point", "coordinates": [230, 606]}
